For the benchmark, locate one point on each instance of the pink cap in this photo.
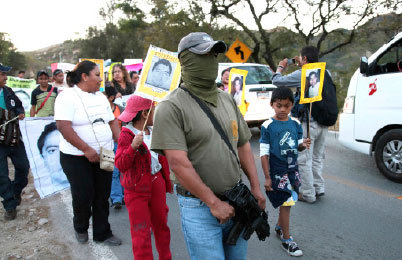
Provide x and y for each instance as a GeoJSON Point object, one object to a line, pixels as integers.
{"type": "Point", "coordinates": [134, 105]}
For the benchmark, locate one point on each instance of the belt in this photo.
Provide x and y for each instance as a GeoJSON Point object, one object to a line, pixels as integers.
{"type": "Point", "coordinates": [185, 193]}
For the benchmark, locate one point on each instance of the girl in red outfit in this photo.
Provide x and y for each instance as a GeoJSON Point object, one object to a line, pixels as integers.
{"type": "Point", "coordinates": [145, 178]}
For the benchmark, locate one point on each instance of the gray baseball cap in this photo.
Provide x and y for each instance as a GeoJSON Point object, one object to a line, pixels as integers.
{"type": "Point", "coordinates": [200, 43]}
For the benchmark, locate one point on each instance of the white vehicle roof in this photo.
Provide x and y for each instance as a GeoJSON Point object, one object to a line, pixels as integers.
{"type": "Point", "coordinates": [384, 47]}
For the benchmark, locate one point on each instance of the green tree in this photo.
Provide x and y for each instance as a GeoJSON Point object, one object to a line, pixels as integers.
{"type": "Point", "coordinates": [9, 55]}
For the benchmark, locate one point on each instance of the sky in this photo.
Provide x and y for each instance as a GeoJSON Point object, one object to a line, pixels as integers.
{"type": "Point", "coordinates": [36, 24]}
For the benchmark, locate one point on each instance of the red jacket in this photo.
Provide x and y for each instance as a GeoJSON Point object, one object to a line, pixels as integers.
{"type": "Point", "coordinates": [135, 166]}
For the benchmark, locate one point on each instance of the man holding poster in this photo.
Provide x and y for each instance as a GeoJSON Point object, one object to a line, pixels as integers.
{"type": "Point", "coordinates": [202, 162]}
{"type": "Point", "coordinates": [310, 160]}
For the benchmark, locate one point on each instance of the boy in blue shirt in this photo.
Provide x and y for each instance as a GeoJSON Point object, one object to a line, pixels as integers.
{"type": "Point", "coordinates": [281, 139]}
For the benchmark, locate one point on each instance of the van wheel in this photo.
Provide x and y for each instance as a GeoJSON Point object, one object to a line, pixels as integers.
{"type": "Point", "coordinates": [388, 155]}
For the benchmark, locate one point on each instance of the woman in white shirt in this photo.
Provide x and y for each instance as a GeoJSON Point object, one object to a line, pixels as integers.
{"type": "Point", "coordinates": [86, 122]}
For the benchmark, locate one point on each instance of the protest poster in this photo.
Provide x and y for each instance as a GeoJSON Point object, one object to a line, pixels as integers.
{"type": "Point", "coordinates": [62, 66]}
{"type": "Point", "coordinates": [122, 101]}
{"type": "Point", "coordinates": [237, 83]}
{"type": "Point", "coordinates": [312, 81]}
{"type": "Point", "coordinates": [23, 89]}
{"type": "Point", "coordinates": [41, 140]}
{"type": "Point", "coordinates": [98, 62]}
{"type": "Point", "coordinates": [160, 74]}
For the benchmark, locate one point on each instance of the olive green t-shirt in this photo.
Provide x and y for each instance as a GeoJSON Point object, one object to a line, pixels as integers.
{"type": "Point", "coordinates": [181, 124]}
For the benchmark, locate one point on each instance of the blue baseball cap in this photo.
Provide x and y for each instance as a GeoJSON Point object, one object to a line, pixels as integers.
{"type": "Point", "coordinates": [4, 68]}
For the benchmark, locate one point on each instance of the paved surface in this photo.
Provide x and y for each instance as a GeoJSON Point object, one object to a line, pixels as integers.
{"type": "Point", "coordinates": [359, 217]}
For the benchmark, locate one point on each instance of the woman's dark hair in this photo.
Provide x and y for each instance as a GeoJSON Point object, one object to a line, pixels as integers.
{"type": "Point", "coordinates": [223, 71]}
{"type": "Point", "coordinates": [311, 53]}
{"type": "Point", "coordinates": [75, 76]}
{"type": "Point", "coordinates": [48, 129]}
{"type": "Point", "coordinates": [282, 93]}
{"type": "Point", "coordinates": [126, 77]}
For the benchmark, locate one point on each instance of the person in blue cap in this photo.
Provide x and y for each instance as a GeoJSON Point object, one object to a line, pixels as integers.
{"type": "Point", "coordinates": [11, 146]}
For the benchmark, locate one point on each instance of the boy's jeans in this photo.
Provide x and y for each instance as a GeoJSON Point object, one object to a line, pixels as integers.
{"type": "Point", "coordinates": [204, 235]}
{"type": "Point", "coordinates": [116, 192]}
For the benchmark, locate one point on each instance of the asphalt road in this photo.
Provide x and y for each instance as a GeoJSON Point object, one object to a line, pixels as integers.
{"type": "Point", "coordinates": [360, 216]}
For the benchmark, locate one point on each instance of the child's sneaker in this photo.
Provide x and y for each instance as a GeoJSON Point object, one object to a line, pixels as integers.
{"type": "Point", "coordinates": [291, 247]}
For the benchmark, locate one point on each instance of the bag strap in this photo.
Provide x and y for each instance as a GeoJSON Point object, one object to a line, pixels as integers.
{"type": "Point", "coordinates": [214, 121]}
{"type": "Point", "coordinates": [44, 101]}
{"type": "Point", "coordinates": [89, 120]}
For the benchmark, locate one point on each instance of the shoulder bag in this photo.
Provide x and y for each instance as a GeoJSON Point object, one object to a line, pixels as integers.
{"type": "Point", "coordinates": [106, 156]}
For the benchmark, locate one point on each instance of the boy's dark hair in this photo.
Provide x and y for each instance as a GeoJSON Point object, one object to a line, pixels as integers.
{"type": "Point", "coordinates": [311, 53]}
{"type": "Point", "coordinates": [131, 73]}
{"type": "Point", "coordinates": [110, 91]}
{"type": "Point", "coordinates": [282, 93]}
{"type": "Point", "coordinates": [21, 71]}
{"type": "Point", "coordinates": [219, 84]}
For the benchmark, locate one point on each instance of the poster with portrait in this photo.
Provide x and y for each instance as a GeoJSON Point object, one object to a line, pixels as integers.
{"type": "Point", "coordinates": [98, 62]}
{"type": "Point", "coordinates": [23, 89]}
{"type": "Point", "coordinates": [41, 140]}
{"type": "Point", "coordinates": [160, 74]}
{"type": "Point", "coordinates": [237, 83]}
{"type": "Point", "coordinates": [312, 81]}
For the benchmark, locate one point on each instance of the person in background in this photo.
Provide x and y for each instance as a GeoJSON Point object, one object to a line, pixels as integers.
{"type": "Point", "coordinates": [121, 81]}
{"type": "Point", "coordinates": [134, 77]}
{"type": "Point", "coordinates": [116, 193]}
{"type": "Point", "coordinates": [145, 180]}
{"type": "Point", "coordinates": [86, 123]}
{"type": "Point", "coordinates": [21, 74]}
{"type": "Point", "coordinates": [11, 146]}
{"type": "Point", "coordinates": [225, 79]}
{"type": "Point", "coordinates": [43, 96]}
{"type": "Point", "coordinates": [59, 81]}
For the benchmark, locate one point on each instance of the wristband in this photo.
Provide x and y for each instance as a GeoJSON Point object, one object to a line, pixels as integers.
{"type": "Point", "coordinates": [280, 66]}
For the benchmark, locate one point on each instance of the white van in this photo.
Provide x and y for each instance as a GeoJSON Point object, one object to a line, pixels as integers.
{"type": "Point", "coordinates": [372, 114]}
{"type": "Point", "coordinates": [257, 90]}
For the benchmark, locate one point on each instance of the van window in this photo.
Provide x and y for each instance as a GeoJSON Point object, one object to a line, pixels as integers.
{"type": "Point", "coordinates": [388, 61]}
{"type": "Point", "coordinates": [257, 74]}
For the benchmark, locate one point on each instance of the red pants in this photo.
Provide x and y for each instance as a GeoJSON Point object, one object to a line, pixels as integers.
{"type": "Point", "coordinates": [145, 211]}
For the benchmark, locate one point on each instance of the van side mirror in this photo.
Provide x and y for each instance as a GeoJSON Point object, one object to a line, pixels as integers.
{"type": "Point", "coordinates": [364, 65]}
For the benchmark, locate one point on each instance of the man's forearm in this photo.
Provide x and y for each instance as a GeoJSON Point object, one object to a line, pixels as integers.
{"type": "Point", "coordinates": [248, 165]}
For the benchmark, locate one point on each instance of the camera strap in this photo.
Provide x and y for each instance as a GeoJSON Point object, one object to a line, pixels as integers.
{"type": "Point", "coordinates": [214, 121]}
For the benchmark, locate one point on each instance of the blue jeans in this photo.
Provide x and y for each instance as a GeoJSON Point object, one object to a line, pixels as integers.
{"type": "Point", "coordinates": [9, 189]}
{"type": "Point", "coordinates": [204, 235]}
{"type": "Point", "coordinates": [116, 193]}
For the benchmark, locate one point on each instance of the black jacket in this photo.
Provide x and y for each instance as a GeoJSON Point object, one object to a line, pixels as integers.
{"type": "Point", "coordinates": [13, 103]}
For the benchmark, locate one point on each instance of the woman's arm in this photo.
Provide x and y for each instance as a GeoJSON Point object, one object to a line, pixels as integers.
{"type": "Point", "coordinates": [71, 136]}
{"type": "Point", "coordinates": [114, 126]}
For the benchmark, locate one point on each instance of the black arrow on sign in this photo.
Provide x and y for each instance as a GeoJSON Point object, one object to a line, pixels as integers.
{"type": "Point", "coordinates": [237, 50]}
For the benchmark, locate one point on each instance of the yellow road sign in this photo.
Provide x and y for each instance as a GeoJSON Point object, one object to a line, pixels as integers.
{"type": "Point", "coordinates": [238, 52]}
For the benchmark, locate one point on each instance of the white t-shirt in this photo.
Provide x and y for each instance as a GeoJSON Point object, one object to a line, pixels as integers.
{"type": "Point", "coordinates": [70, 106]}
